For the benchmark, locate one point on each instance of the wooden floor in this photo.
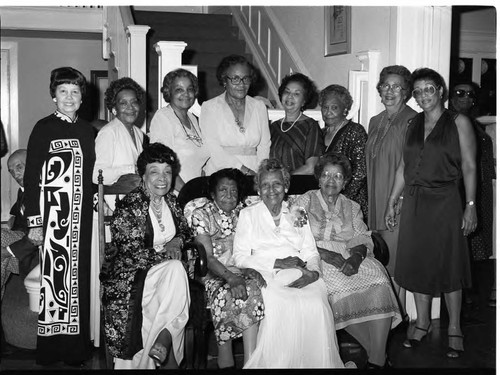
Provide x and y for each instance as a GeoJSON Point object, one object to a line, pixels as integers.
{"type": "Point", "coordinates": [478, 324]}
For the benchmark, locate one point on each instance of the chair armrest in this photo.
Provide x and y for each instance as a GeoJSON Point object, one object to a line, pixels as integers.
{"type": "Point", "coordinates": [200, 255]}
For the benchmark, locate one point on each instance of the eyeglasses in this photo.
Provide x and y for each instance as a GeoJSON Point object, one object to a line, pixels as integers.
{"type": "Point", "coordinates": [428, 90]}
{"type": "Point", "coordinates": [338, 177]}
{"type": "Point", "coordinates": [461, 93]}
{"type": "Point", "coordinates": [394, 87]}
{"type": "Point", "coordinates": [236, 80]}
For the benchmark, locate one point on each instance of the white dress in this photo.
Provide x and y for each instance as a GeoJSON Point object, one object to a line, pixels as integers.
{"type": "Point", "coordinates": [193, 154]}
{"type": "Point", "coordinates": [228, 146]}
{"type": "Point", "coordinates": [298, 329]}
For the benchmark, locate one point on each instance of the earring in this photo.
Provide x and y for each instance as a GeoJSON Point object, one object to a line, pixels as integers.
{"type": "Point", "coordinates": [113, 111]}
{"type": "Point", "coordinates": [54, 99]}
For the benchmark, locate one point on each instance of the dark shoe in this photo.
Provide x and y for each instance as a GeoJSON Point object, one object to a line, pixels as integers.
{"type": "Point", "coordinates": [158, 353]}
{"type": "Point", "coordinates": [373, 366]}
{"type": "Point", "coordinates": [411, 342]}
{"type": "Point", "coordinates": [455, 352]}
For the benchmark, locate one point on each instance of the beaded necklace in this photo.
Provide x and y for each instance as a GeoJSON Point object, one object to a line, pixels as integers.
{"type": "Point", "coordinates": [157, 210]}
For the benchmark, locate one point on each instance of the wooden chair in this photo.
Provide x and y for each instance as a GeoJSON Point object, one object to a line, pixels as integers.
{"type": "Point", "coordinates": [193, 254]}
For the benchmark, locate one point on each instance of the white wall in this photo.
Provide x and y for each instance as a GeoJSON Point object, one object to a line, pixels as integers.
{"type": "Point", "coordinates": [305, 27]}
{"type": "Point", "coordinates": [36, 58]}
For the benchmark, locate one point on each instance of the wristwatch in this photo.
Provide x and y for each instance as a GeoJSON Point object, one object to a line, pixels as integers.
{"type": "Point", "coordinates": [470, 203]}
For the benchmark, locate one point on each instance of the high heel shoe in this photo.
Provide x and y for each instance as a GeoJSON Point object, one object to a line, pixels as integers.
{"type": "Point", "coordinates": [158, 353]}
{"type": "Point", "coordinates": [454, 352]}
{"type": "Point", "coordinates": [410, 343]}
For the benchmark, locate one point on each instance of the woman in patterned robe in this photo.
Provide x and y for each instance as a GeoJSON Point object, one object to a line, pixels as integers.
{"type": "Point", "coordinates": [58, 181]}
{"type": "Point", "coordinates": [359, 290]}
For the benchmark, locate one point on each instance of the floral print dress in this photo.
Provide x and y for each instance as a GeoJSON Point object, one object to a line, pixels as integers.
{"type": "Point", "coordinates": [230, 316]}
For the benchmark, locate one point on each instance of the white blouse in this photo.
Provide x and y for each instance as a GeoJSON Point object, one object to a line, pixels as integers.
{"type": "Point", "coordinates": [166, 128]}
{"type": "Point", "coordinates": [115, 152]}
{"type": "Point", "coordinates": [228, 146]}
{"type": "Point", "coordinates": [160, 238]}
{"type": "Point", "coordinates": [258, 242]}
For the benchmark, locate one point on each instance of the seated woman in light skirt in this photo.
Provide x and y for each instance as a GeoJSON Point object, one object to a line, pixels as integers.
{"type": "Point", "coordinates": [146, 292]}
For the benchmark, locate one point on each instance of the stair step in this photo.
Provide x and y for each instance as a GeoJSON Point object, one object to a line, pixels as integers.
{"type": "Point", "coordinates": [181, 19]}
{"type": "Point", "coordinates": [183, 32]}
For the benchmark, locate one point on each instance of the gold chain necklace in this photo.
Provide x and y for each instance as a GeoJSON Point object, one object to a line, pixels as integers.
{"type": "Point", "coordinates": [195, 138]}
{"type": "Point", "coordinates": [236, 118]}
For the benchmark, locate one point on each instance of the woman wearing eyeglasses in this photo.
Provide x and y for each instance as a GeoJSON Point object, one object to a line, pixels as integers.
{"type": "Point", "coordinates": [439, 161]}
{"type": "Point", "coordinates": [384, 148]}
{"type": "Point", "coordinates": [235, 125]}
{"type": "Point", "coordinates": [464, 97]}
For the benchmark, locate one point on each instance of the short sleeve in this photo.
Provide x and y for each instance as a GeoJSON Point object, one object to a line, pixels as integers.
{"type": "Point", "coordinates": [200, 221]}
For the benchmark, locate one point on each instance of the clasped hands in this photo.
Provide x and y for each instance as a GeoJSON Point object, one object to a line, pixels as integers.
{"type": "Point", "coordinates": [237, 284]}
{"type": "Point", "coordinates": [308, 276]}
{"type": "Point", "coordinates": [348, 267]}
{"type": "Point", "coordinates": [172, 249]}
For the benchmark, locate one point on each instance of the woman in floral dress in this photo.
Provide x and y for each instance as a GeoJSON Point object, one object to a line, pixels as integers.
{"type": "Point", "coordinates": [233, 295]}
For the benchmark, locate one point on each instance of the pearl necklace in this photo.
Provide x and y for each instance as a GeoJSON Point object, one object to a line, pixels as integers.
{"type": "Point", "coordinates": [283, 120]}
{"type": "Point", "coordinates": [157, 210]}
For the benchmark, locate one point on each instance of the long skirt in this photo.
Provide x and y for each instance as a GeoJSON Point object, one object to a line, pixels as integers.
{"type": "Point", "coordinates": [362, 297]}
{"type": "Point", "coordinates": [298, 329]}
{"type": "Point", "coordinates": [165, 304]}
{"type": "Point", "coordinates": [229, 316]}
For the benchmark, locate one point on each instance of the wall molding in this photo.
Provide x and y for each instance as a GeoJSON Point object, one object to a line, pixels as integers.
{"type": "Point", "coordinates": [69, 19]}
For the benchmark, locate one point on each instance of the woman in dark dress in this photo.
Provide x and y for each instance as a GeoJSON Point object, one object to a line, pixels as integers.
{"type": "Point", "coordinates": [439, 158]}
{"type": "Point", "coordinates": [345, 137]}
{"type": "Point", "coordinates": [296, 140]}
{"type": "Point", "coordinates": [464, 98]}
{"type": "Point", "coordinates": [58, 181]}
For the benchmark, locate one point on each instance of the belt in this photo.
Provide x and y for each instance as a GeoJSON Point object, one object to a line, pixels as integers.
{"type": "Point", "coordinates": [233, 150]}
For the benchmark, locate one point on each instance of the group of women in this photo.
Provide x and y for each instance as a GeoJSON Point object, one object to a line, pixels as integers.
{"type": "Point", "coordinates": [282, 274]}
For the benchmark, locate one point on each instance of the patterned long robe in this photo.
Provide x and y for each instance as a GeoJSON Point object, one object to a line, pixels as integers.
{"type": "Point", "coordinates": [58, 197]}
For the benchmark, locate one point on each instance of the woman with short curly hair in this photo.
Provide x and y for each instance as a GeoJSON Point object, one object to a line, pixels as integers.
{"type": "Point", "coordinates": [177, 128]}
{"type": "Point", "coordinates": [345, 137]}
{"type": "Point", "coordinates": [119, 142]}
{"type": "Point", "coordinates": [296, 139]}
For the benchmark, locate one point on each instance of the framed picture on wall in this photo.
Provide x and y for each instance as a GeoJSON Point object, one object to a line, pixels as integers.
{"type": "Point", "coordinates": [337, 30]}
{"type": "Point", "coordinates": [100, 82]}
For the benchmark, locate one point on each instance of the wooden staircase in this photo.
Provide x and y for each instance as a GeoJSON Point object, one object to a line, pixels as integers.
{"type": "Point", "coordinates": [209, 38]}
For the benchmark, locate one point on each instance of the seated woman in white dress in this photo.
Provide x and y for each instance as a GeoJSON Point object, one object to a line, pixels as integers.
{"type": "Point", "coordinates": [177, 128]}
{"type": "Point", "coordinates": [119, 142]}
{"type": "Point", "coordinates": [359, 290]}
{"type": "Point", "coordinates": [146, 291]}
{"type": "Point", "coordinates": [298, 329]}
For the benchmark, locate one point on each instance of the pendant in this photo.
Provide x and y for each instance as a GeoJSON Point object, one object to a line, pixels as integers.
{"type": "Point", "coordinates": [242, 130]}
{"type": "Point", "coordinates": [277, 230]}
{"type": "Point", "coordinates": [162, 227]}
